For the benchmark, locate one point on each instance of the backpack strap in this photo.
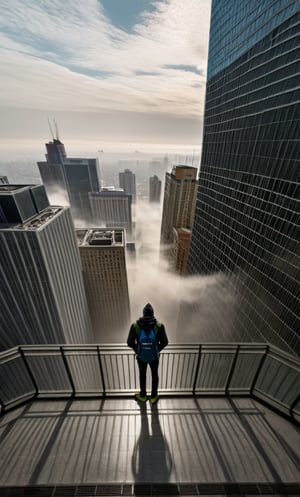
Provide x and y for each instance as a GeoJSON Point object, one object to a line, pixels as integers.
{"type": "Point", "coordinates": [137, 327]}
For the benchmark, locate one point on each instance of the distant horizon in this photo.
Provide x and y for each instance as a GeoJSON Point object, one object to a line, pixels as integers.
{"type": "Point", "coordinates": [125, 71]}
{"type": "Point", "coordinates": [34, 149]}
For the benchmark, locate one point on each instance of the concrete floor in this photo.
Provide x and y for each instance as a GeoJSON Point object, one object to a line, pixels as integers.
{"type": "Point", "coordinates": [178, 440]}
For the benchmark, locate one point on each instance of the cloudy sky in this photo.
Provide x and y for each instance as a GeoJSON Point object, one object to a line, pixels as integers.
{"type": "Point", "coordinates": [107, 70]}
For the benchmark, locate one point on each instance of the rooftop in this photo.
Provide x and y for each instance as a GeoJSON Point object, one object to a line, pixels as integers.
{"type": "Point", "coordinates": [110, 194]}
{"type": "Point", "coordinates": [35, 223]}
{"type": "Point", "coordinates": [227, 422]}
{"type": "Point", "coordinates": [100, 237]}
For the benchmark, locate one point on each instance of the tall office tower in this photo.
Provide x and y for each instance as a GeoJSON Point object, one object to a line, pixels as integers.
{"type": "Point", "coordinates": [74, 176]}
{"type": "Point", "coordinates": [81, 176]}
{"type": "Point", "coordinates": [112, 209]}
{"type": "Point", "coordinates": [51, 171]}
{"type": "Point", "coordinates": [56, 152]}
{"type": "Point", "coordinates": [3, 180]}
{"type": "Point", "coordinates": [154, 189]}
{"type": "Point", "coordinates": [181, 246]}
{"type": "Point", "coordinates": [53, 178]}
{"type": "Point", "coordinates": [247, 214]}
{"type": "Point", "coordinates": [42, 296]}
{"type": "Point", "coordinates": [127, 183]}
{"type": "Point", "coordinates": [179, 204]}
{"type": "Point", "coordinates": [102, 254]}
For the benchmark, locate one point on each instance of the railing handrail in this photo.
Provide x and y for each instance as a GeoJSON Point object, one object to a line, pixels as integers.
{"type": "Point", "coordinates": [172, 347]}
{"type": "Point", "coordinates": [185, 369]}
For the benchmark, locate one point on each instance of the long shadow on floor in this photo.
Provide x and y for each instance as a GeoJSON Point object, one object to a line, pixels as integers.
{"type": "Point", "coordinates": [151, 458]}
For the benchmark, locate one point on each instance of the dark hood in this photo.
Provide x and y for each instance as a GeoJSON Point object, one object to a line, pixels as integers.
{"type": "Point", "coordinates": [147, 323]}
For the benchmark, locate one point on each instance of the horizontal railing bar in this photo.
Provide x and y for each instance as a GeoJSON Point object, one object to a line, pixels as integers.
{"type": "Point", "coordinates": [110, 369]}
{"type": "Point", "coordinates": [261, 394]}
{"type": "Point", "coordinates": [172, 348]}
{"type": "Point", "coordinates": [123, 345]}
{"type": "Point", "coordinates": [283, 358]}
{"type": "Point", "coordinates": [20, 400]}
{"type": "Point", "coordinates": [9, 354]}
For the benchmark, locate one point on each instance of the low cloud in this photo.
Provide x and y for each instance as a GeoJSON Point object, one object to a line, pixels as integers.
{"type": "Point", "coordinates": [194, 309]}
{"type": "Point", "coordinates": [58, 197]}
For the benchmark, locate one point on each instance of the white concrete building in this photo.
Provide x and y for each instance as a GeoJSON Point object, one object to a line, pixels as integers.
{"type": "Point", "coordinates": [42, 297]}
{"type": "Point", "coordinates": [102, 253]}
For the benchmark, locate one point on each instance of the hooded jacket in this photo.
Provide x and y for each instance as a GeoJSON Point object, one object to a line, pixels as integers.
{"type": "Point", "coordinates": [147, 324]}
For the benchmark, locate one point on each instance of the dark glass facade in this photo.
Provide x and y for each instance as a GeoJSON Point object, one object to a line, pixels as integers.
{"type": "Point", "coordinates": [236, 27]}
{"type": "Point", "coordinates": [247, 214]}
{"type": "Point", "coordinates": [56, 152]}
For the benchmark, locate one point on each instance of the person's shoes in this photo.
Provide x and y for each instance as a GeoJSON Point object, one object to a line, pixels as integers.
{"type": "Point", "coordinates": [139, 397]}
{"type": "Point", "coordinates": [153, 400]}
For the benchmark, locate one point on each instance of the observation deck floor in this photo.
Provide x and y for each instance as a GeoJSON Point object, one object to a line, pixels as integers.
{"type": "Point", "coordinates": [181, 439]}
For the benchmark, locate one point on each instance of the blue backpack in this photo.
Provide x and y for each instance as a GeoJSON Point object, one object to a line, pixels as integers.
{"type": "Point", "coordinates": [147, 349]}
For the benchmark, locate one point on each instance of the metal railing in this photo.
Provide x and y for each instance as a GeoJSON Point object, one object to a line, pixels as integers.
{"type": "Point", "coordinates": [259, 370]}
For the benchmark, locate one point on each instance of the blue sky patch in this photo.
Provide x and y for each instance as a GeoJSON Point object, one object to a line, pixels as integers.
{"type": "Point", "coordinates": [125, 15]}
{"type": "Point", "coordinates": [182, 67]}
{"type": "Point", "coordinates": [146, 73]}
{"type": "Point", "coordinates": [93, 73]}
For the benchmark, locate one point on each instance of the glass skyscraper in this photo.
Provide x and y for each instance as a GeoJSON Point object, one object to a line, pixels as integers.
{"type": "Point", "coordinates": [42, 297]}
{"type": "Point", "coordinates": [75, 177]}
{"type": "Point", "coordinates": [127, 182]}
{"type": "Point", "coordinates": [247, 213]}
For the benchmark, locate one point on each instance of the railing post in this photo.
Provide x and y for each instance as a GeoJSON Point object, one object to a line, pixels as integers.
{"type": "Point", "coordinates": [232, 369]}
{"type": "Point", "coordinates": [30, 373]}
{"type": "Point", "coordinates": [259, 369]}
{"type": "Point", "coordinates": [2, 405]}
{"type": "Point", "coordinates": [101, 369]}
{"type": "Point", "coordinates": [68, 371]}
{"type": "Point", "coordinates": [197, 369]}
{"type": "Point", "coordinates": [293, 405]}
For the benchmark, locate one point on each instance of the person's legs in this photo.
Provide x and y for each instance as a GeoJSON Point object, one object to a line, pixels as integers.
{"type": "Point", "coordinates": [142, 370]}
{"type": "Point", "coordinates": [154, 372]}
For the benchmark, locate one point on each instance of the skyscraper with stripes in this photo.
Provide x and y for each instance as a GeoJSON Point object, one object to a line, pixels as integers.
{"type": "Point", "coordinates": [127, 182]}
{"type": "Point", "coordinates": [112, 209]}
{"type": "Point", "coordinates": [178, 206]}
{"type": "Point", "coordinates": [42, 295]}
{"type": "Point", "coordinates": [247, 213]}
{"type": "Point", "coordinates": [102, 253]}
{"type": "Point", "coordinates": [154, 189]}
{"type": "Point", "coordinates": [74, 177]}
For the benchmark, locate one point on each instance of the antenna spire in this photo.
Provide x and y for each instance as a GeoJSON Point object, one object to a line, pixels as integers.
{"type": "Point", "coordinates": [56, 129]}
{"type": "Point", "coordinates": [51, 130]}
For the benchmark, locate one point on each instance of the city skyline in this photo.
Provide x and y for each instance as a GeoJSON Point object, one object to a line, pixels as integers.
{"type": "Point", "coordinates": [248, 211]}
{"type": "Point", "coordinates": [111, 73]}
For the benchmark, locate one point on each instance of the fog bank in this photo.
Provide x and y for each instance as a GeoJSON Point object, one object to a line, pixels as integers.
{"type": "Point", "coordinates": [193, 309]}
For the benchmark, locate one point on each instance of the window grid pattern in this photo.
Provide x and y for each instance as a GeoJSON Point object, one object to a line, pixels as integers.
{"type": "Point", "coordinates": [105, 278]}
{"type": "Point", "coordinates": [247, 213]}
{"type": "Point", "coordinates": [236, 26]}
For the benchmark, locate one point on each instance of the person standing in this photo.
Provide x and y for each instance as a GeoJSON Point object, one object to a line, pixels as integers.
{"type": "Point", "coordinates": [147, 337]}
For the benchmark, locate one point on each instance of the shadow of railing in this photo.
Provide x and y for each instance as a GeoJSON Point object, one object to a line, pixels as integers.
{"type": "Point", "coordinates": [61, 371]}
{"type": "Point", "coordinates": [180, 440]}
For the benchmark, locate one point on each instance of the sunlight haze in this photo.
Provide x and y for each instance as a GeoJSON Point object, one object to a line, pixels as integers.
{"type": "Point", "coordinates": [108, 71]}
